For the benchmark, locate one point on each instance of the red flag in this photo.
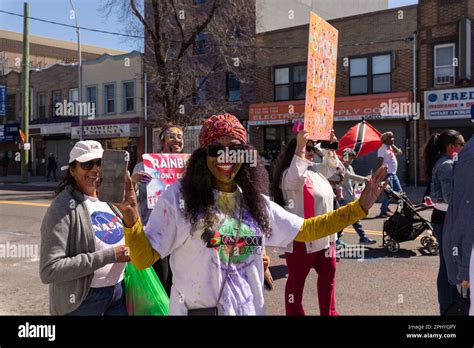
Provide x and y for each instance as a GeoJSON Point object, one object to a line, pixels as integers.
{"type": "Point", "coordinates": [363, 138]}
{"type": "Point", "coordinates": [22, 136]}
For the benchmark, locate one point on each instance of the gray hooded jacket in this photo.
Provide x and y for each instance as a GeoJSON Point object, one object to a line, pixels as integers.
{"type": "Point", "coordinates": [458, 235]}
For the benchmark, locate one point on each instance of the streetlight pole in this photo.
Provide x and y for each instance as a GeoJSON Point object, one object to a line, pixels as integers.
{"type": "Point", "coordinates": [79, 67]}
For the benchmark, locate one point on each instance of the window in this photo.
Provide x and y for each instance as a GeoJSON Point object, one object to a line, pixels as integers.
{"type": "Point", "coordinates": [55, 99]}
{"type": "Point", "coordinates": [91, 95]}
{"type": "Point", "coordinates": [128, 90]}
{"type": "Point", "coordinates": [200, 90]}
{"type": "Point", "coordinates": [199, 44]}
{"type": "Point", "coordinates": [290, 82]}
{"type": "Point", "coordinates": [444, 69]}
{"type": "Point", "coordinates": [109, 98]}
{"type": "Point", "coordinates": [381, 73]}
{"type": "Point", "coordinates": [233, 88]}
{"type": "Point", "coordinates": [272, 136]}
{"type": "Point", "coordinates": [371, 74]}
{"type": "Point", "coordinates": [41, 105]}
{"type": "Point", "coordinates": [359, 76]}
{"type": "Point", "coordinates": [299, 82]}
{"type": "Point", "coordinates": [73, 95]}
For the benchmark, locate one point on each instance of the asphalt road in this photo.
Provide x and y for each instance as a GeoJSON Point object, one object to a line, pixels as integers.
{"type": "Point", "coordinates": [379, 284]}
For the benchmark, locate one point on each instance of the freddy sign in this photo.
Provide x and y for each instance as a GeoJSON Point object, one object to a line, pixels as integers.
{"type": "Point", "coordinates": [321, 78]}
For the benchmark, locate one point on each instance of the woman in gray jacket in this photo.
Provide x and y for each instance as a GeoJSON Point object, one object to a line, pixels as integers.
{"type": "Point", "coordinates": [83, 253]}
{"type": "Point", "coordinates": [442, 148]}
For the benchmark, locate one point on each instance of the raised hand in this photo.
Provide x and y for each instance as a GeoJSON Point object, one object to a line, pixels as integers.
{"type": "Point", "coordinates": [301, 140]}
{"type": "Point", "coordinates": [141, 176]}
{"type": "Point", "coordinates": [373, 188]}
{"type": "Point", "coordinates": [128, 206]}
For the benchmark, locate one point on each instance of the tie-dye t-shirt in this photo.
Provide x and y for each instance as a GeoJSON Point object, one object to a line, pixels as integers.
{"type": "Point", "coordinates": [199, 262]}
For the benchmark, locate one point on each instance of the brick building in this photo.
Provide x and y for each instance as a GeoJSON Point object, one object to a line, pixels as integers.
{"type": "Point", "coordinates": [216, 73]}
{"type": "Point", "coordinates": [375, 65]}
{"type": "Point", "coordinates": [445, 70]}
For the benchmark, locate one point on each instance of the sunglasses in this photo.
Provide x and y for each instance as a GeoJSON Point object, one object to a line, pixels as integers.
{"type": "Point", "coordinates": [90, 164]}
{"type": "Point", "coordinates": [216, 150]}
{"type": "Point", "coordinates": [310, 148]}
{"type": "Point", "coordinates": [460, 144]}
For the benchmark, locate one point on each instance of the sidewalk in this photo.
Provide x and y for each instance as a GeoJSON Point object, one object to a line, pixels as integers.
{"type": "Point", "coordinates": [39, 183]}
{"type": "Point", "coordinates": [36, 183]}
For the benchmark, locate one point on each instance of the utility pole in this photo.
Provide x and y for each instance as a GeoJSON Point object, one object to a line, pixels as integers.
{"type": "Point", "coordinates": [26, 93]}
{"type": "Point", "coordinates": [79, 67]}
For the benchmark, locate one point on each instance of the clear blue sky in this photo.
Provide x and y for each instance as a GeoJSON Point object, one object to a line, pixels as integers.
{"type": "Point", "coordinates": [59, 11]}
{"type": "Point", "coordinates": [89, 16]}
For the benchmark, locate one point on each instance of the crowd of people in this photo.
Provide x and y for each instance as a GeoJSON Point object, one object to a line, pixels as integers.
{"type": "Point", "coordinates": [206, 236]}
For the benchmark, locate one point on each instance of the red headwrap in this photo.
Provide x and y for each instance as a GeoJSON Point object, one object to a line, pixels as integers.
{"type": "Point", "coordinates": [217, 126]}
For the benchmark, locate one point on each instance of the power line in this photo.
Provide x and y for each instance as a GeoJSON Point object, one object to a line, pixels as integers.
{"type": "Point", "coordinates": [207, 43]}
{"type": "Point", "coordinates": [74, 27]}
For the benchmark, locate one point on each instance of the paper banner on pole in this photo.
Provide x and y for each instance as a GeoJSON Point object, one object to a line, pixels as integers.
{"type": "Point", "coordinates": [321, 78]}
{"type": "Point", "coordinates": [165, 169]}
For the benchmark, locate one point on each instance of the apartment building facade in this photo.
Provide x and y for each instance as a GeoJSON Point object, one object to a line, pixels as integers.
{"type": "Point", "coordinates": [373, 67]}
{"type": "Point", "coordinates": [53, 78]}
{"type": "Point", "coordinates": [445, 69]}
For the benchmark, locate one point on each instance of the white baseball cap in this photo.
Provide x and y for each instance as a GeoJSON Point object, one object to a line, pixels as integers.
{"type": "Point", "coordinates": [84, 151]}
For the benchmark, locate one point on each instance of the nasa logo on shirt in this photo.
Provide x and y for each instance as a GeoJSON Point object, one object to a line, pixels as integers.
{"type": "Point", "coordinates": [107, 227]}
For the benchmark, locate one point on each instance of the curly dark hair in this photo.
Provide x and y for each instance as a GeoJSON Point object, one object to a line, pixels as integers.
{"type": "Point", "coordinates": [282, 163]}
{"type": "Point", "coordinates": [196, 188]}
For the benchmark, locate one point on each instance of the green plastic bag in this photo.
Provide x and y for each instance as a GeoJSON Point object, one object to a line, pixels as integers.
{"type": "Point", "coordinates": [144, 293]}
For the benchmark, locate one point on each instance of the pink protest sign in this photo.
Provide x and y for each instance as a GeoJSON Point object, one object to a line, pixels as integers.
{"type": "Point", "coordinates": [321, 78]}
{"type": "Point", "coordinates": [165, 169]}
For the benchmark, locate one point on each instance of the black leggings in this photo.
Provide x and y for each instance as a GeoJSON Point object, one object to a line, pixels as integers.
{"type": "Point", "coordinates": [163, 271]}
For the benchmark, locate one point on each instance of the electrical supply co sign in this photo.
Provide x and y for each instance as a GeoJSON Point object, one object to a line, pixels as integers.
{"type": "Point", "coordinates": [449, 104]}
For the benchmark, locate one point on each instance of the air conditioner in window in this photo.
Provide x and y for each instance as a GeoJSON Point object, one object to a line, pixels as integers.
{"type": "Point", "coordinates": [444, 80]}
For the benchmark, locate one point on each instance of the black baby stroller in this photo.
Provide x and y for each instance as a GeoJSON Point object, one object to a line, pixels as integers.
{"type": "Point", "coordinates": [407, 224]}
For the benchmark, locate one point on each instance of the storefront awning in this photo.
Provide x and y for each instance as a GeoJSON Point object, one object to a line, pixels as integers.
{"type": "Point", "coordinates": [370, 107]}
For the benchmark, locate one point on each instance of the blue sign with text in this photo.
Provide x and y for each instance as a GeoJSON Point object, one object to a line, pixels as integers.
{"type": "Point", "coordinates": [9, 132]}
{"type": "Point", "coordinates": [3, 100]}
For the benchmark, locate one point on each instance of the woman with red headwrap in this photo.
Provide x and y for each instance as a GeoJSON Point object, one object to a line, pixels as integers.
{"type": "Point", "coordinates": [217, 220]}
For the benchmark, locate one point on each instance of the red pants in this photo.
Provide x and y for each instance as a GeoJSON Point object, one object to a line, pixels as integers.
{"type": "Point", "coordinates": [299, 264]}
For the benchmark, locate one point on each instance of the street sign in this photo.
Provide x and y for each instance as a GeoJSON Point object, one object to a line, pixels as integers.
{"type": "Point", "coordinates": [26, 146]}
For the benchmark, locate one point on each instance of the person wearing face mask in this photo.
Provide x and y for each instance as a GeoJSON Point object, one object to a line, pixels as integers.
{"type": "Point", "coordinates": [217, 220]}
{"type": "Point", "coordinates": [83, 253]}
{"type": "Point", "coordinates": [350, 178]}
{"type": "Point", "coordinates": [171, 141]}
{"type": "Point", "coordinates": [301, 186]}
{"type": "Point", "coordinates": [442, 148]}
